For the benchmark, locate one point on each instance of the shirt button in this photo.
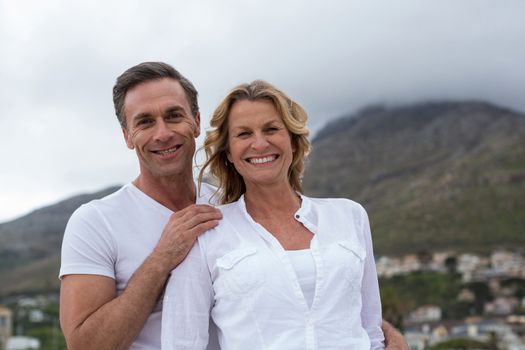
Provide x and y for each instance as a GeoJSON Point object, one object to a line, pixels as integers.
{"type": "Point", "coordinates": [297, 216]}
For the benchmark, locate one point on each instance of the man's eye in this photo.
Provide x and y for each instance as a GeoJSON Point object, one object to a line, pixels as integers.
{"type": "Point", "coordinates": [144, 122]}
{"type": "Point", "coordinates": [174, 117]}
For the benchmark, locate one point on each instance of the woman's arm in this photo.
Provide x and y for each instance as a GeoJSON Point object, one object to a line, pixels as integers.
{"type": "Point", "coordinates": [187, 304]}
{"type": "Point", "coordinates": [371, 307]}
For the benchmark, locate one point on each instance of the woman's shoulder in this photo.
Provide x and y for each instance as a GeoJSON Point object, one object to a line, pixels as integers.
{"type": "Point", "coordinates": [231, 213]}
{"type": "Point", "coordinates": [227, 232]}
{"type": "Point", "coordinates": [337, 203]}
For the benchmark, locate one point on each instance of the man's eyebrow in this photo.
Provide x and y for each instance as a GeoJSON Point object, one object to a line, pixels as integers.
{"type": "Point", "coordinates": [142, 115]}
{"type": "Point", "coordinates": [174, 109]}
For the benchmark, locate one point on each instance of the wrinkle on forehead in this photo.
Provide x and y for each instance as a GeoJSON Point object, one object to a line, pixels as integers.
{"type": "Point", "coordinates": [154, 97]}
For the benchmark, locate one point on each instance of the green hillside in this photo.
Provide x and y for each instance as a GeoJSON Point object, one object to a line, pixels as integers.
{"type": "Point", "coordinates": [432, 176]}
{"type": "Point", "coordinates": [30, 246]}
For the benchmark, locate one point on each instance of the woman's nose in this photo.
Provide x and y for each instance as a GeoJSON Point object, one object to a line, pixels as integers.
{"type": "Point", "coordinates": [259, 142]}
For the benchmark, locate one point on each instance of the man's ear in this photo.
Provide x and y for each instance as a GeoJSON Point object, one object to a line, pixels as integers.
{"type": "Point", "coordinates": [197, 129]}
{"type": "Point", "coordinates": [127, 137]}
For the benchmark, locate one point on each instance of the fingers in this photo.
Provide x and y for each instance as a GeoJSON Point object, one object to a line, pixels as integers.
{"type": "Point", "coordinates": [195, 208]}
{"type": "Point", "coordinates": [182, 230]}
{"type": "Point", "coordinates": [196, 219]}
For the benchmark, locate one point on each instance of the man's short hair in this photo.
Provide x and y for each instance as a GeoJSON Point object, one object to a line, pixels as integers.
{"type": "Point", "coordinates": [148, 71]}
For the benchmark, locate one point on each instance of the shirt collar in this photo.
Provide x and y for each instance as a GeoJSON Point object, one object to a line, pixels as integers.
{"type": "Point", "coordinates": [305, 214]}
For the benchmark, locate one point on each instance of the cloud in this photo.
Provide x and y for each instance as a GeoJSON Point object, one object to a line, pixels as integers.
{"type": "Point", "coordinates": [60, 60]}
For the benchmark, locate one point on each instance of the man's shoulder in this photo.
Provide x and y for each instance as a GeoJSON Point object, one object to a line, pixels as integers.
{"type": "Point", "coordinates": [112, 201]}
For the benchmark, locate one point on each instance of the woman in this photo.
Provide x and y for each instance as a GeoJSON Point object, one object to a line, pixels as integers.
{"type": "Point", "coordinates": [281, 270]}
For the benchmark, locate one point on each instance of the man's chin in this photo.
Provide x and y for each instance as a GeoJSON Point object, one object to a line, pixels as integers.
{"type": "Point", "coordinates": [173, 171]}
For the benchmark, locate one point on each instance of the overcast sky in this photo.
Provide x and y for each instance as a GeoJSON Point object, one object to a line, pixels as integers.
{"type": "Point", "coordinates": [59, 60]}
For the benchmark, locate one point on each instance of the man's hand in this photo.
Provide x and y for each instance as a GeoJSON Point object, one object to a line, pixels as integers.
{"type": "Point", "coordinates": [181, 231]}
{"type": "Point", "coordinates": [394, 340]}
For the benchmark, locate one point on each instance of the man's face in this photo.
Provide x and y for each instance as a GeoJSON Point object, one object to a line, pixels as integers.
{"type": "Point", "coordinates": [161, 128]}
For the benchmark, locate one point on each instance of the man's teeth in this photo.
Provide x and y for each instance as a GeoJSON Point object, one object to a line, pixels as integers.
{"type": "Point", "coordinates": [262, 160]}
{"type": "Point", "coordinates": [168, 151]}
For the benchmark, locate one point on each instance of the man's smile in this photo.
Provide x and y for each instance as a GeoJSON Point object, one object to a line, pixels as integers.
{"type": "Point", "coordinates": [167, 151]}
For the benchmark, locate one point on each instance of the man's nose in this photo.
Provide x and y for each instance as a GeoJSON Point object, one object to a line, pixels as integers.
{"type": "Point", "coordinates": [162, 131]}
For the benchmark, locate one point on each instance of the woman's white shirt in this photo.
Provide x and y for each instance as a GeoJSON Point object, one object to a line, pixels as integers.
{"type": "Point", "coordinates": [304, 267]}
{"type": "Point", "coordinates": [241, 274]}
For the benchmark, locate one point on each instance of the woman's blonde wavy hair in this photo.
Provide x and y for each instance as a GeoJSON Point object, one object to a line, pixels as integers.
{"type": "Point", "coordinates": [230, 183]}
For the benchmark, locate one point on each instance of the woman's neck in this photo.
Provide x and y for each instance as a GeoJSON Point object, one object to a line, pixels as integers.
{"type": "Point", "coordinates": [264, 202]}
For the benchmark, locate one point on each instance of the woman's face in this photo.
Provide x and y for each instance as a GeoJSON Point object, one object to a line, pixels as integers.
{"type": "Point", "coordinates": [259, 144]}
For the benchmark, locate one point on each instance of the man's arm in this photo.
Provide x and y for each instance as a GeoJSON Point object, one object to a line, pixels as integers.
{"type": "Point", "coordinates": [394, 340]}
{"type": "Point", "coordinates": [92, 316]}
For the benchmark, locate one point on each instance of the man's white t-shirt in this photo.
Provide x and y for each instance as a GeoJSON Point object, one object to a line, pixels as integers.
{"type": "Point", "coordinates": [113, 236]}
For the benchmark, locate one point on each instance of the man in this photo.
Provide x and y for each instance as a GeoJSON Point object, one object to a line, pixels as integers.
{"type": "Point", "coordinates": [118, 252]}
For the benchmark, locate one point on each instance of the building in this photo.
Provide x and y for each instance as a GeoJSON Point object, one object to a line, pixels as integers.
{"type": "Point", "coordinates": [507, 263]}
{"type": "Point", "coordinates": [501, 306]}
{"type": "Point", "coordinates": [23, 343]}
{"type": "Point", "coordinates": [5, 326]}
{"type": "Point", "coordinates": [425, 313]}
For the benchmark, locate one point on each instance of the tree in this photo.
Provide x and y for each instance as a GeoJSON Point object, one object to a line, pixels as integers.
{"type": "Point", "coordinates": [425, 258]}
{"type": "Point", "coordinates": [392, 306]}
{"type": "Point", "coordinates": [451, 263]}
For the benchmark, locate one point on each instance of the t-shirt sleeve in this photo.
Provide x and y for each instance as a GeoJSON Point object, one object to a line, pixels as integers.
{"type": "Point", "coordinates": [87, 246]}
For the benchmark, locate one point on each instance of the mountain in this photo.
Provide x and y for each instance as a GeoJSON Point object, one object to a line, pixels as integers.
{"type": "Point", "coordinates": [30, 245]}
{"type": "Point", "coordinates": [432, 176]}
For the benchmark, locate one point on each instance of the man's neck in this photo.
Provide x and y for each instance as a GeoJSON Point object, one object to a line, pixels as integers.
{"type": "Point", "coordinates": [174, 192]}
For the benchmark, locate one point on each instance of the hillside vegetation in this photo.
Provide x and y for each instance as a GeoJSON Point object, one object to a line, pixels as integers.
{"type": "Point", "coordinates": [30, 246]}
{"type": "Point", "coordinates": [432, 176]}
